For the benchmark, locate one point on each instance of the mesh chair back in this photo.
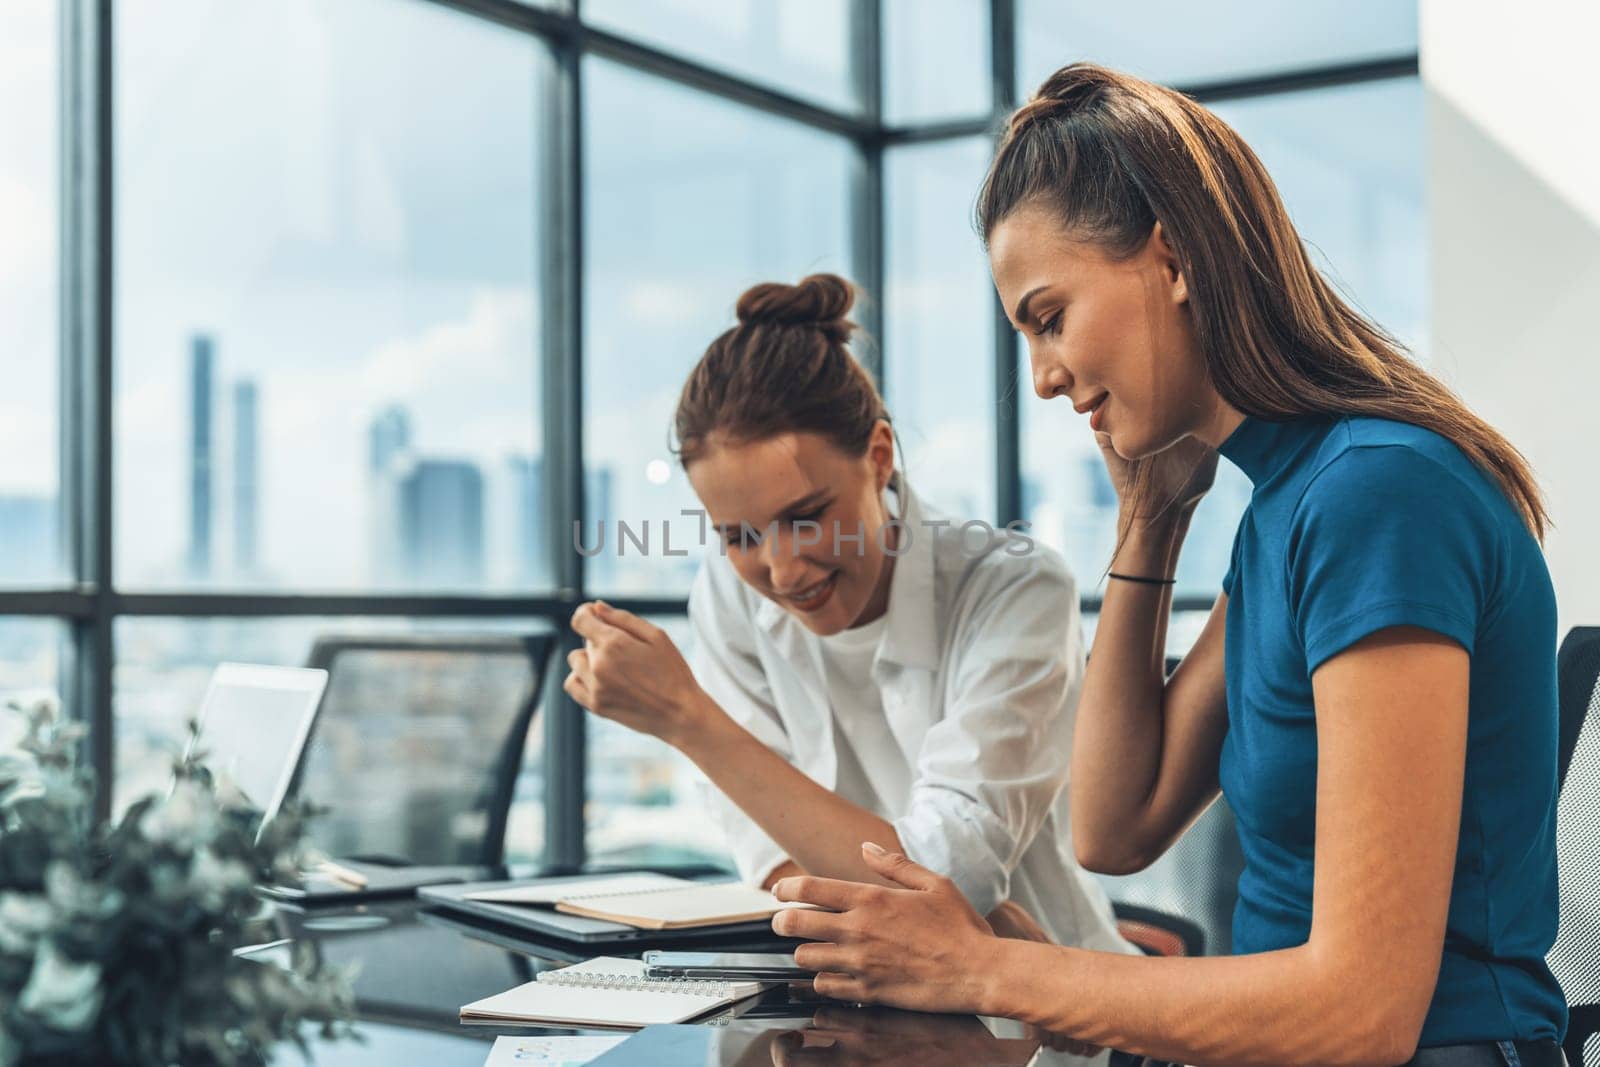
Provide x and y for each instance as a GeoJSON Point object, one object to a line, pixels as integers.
{"type": "Point", "coordinates": [1196, 879]}
{"type": "Point", "coordinates": [418, 744]}
{"type": "Point", "coordinates": [1575, 957]}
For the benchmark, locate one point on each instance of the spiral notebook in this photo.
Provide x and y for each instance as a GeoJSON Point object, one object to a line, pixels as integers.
{"type": "Point", "coordinates": [607, 992]}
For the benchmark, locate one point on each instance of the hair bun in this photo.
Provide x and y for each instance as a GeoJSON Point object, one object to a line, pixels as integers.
{"type": "Point", "coordinates": [820, 300]}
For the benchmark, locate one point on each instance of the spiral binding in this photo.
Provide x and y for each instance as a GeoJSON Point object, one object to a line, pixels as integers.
{"type": "Point", "coordinates": [629, 984]}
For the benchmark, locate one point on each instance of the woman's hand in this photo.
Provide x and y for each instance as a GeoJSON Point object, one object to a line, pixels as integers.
{"type": "Point", "coordinates": [630, 672]}
{"type": "Point", "coordinates": [1169, 482]}
{"type": "Point", "coordinates": [920, 946]}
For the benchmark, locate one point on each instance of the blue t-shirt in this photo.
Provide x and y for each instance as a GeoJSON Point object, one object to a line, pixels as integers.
{"type": "Point", "coordinates": [1356, 525]}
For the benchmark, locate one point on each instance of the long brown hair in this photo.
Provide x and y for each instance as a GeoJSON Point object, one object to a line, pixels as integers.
{"type": "Point", "coordinates": [1111, 154]}
{"type": "Point", "coordinates": [784, 368]}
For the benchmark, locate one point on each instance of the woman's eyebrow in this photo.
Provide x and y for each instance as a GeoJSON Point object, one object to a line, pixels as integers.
{"type": "Point", "coordinates": [1022, 305]}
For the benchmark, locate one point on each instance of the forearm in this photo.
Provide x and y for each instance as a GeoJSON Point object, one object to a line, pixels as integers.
{"type": "Point", "coordinates": [1269, 1008]}
{"type": "Point", "coordinates": [1117, 741]}
{"type": "Point", "coordinates": [820, 831]}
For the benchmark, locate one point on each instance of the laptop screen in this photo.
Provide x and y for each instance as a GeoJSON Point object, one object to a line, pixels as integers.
{"type": "Point", "coordinates": [254, 722]}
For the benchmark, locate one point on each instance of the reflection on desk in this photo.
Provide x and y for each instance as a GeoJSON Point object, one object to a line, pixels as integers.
{"type": "Point", "coordinates": [413, 975]}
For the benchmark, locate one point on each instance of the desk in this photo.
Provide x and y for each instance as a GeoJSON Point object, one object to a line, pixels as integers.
{"type": "Point", "coordinates": [415, 970]}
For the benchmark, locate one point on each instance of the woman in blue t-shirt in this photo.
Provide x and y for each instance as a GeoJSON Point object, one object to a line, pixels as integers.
{"type": "Point", "coordinates": [1374, 692]}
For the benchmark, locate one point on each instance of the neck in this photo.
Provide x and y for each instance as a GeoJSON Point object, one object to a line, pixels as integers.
{"type": "Point", "coordinates": [1219, 424]}
{"type": "Point", "coordinates": [878, 605]}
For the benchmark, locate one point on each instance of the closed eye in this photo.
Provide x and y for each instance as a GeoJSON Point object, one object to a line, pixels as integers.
{"type": "Point", "coordinates": [1051, 326]}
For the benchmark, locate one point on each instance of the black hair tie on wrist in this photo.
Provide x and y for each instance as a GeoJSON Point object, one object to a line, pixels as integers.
{"type": "Point", "coordinates": [1140, 580]}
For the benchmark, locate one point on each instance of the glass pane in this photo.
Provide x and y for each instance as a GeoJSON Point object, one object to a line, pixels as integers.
{"type": "Point", "coordinates": [939, 325]}
{"type": "Point", "coordinates": [327, 318]}
{"type": "Point", "coordinates": [163, 665]}
{"type": "Point", "coordinates": [1185, 44]}
{"type": "Point", "coordinates": [936, 62]}
{"type": "Point", "coordinates": [690, 201]}
{"type": "Point", "coordinates": [801, 47]}
{"type": "Point", "coordinates": [1348, 163]}
{"type": "Point", "coordinates": [30, 667]}
{"type": "Point", "coordinates": [646, 800]}
{"type": "Point", "coordinates": [29, 305]}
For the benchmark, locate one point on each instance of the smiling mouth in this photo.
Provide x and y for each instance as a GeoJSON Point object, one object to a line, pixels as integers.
{"type": "Point", "coordinates": [813, 596]}
{"type": "Point", "coordinates": [1084, 409]}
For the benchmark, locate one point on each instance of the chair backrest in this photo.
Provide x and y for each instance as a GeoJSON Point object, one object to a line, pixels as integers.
{"type": "Point", "coordinates": [1196, 879]}
{"type": "Point", "coordinates": [418, 744]}
{"type": "Point", "coordinates": [1575, 957]}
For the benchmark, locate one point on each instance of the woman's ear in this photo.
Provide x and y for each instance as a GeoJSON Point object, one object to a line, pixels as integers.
{"type": "Point", "coordinates": [880, 451]}
{"type": "Point", "coordinates": [1170, 266]}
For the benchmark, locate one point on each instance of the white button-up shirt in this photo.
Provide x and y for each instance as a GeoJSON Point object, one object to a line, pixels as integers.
{"type": "Point", "coordinates": [979, 672]}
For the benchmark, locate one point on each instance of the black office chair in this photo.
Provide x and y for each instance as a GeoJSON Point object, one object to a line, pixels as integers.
{"type": "Point", "coordinates": [418, 745]}
{"type": "Point", "coordinates": [1575, 957]}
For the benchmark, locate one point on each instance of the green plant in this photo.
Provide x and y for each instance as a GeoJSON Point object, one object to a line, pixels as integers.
{"type": "Point", "coordinates": [117, 938]}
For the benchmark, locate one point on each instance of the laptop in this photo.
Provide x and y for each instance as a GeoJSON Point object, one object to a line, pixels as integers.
{"type": "Point", "coordinates": [254, 722]}
{"type": "Point", "coordinates": [549, 923]}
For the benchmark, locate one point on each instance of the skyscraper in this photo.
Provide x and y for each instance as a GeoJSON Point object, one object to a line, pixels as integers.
{"type": "Point", "coordinates": [388, 439]}
{"type": "Point", "coordinates": [200, 470]}
{"type": "Point", "coordinates": [441, 524]}
{"type": "Point", "coordinates": [388, 461]}
{"type": "Point", "coordinates": [245, 476]}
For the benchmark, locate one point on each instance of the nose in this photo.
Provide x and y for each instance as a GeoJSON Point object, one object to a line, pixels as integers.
{"type": "Point", "coordinates": [787, 569]}
{"type": "Point", "coordinates": [1050, 380]}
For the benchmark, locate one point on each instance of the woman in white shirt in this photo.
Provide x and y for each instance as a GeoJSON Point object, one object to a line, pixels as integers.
{"type": "Point", "coordinates": [863, 672]}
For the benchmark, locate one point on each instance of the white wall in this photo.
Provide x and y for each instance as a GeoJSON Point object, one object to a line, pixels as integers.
{"type": "Point", "coordinates": [1514, 191]}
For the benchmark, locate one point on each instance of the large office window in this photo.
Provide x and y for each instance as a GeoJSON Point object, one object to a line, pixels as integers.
{"type": "Point", "coordinates": [327, 298]}
{"type": "Point", "coordinates": [30, 532]}
{"type": "Point", "coordinates": [399, 291]}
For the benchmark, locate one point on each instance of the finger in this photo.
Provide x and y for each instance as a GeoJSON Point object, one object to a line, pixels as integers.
{"type": "Point", "coordinates": [820, 956]}
{"type": "Point", "coordinates": [898, 869]}
{"type": "Point", "coordinates": [578, 660]}
{"type": "Point", "coordinates": [590, 626]}
{"type": "Point", "coordinates": [578, 691]}
{"type": "Point", "coordinates": [809, 924]}
{"type": "Point", "coordinates": [824, 892]}
{"type": "Point", "coordinates": [837, 986]}
{"type": "Point", "coordinates": [626, 621]}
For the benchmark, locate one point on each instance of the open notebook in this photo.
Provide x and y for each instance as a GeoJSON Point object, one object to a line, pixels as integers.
{"type": "Point", "coordinates": [647, 901]}
{"type": "Point", "coordinates": [607, 992]}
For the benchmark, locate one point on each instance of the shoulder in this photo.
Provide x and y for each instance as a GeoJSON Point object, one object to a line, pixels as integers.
{"type": "Point", "coordinates": [1366, 464]}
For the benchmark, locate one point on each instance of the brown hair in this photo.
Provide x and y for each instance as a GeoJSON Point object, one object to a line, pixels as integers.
{"type": "Point", "coordinates": [784, 368]}
{"type": "Point", "coordinates": [1111, 154]}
